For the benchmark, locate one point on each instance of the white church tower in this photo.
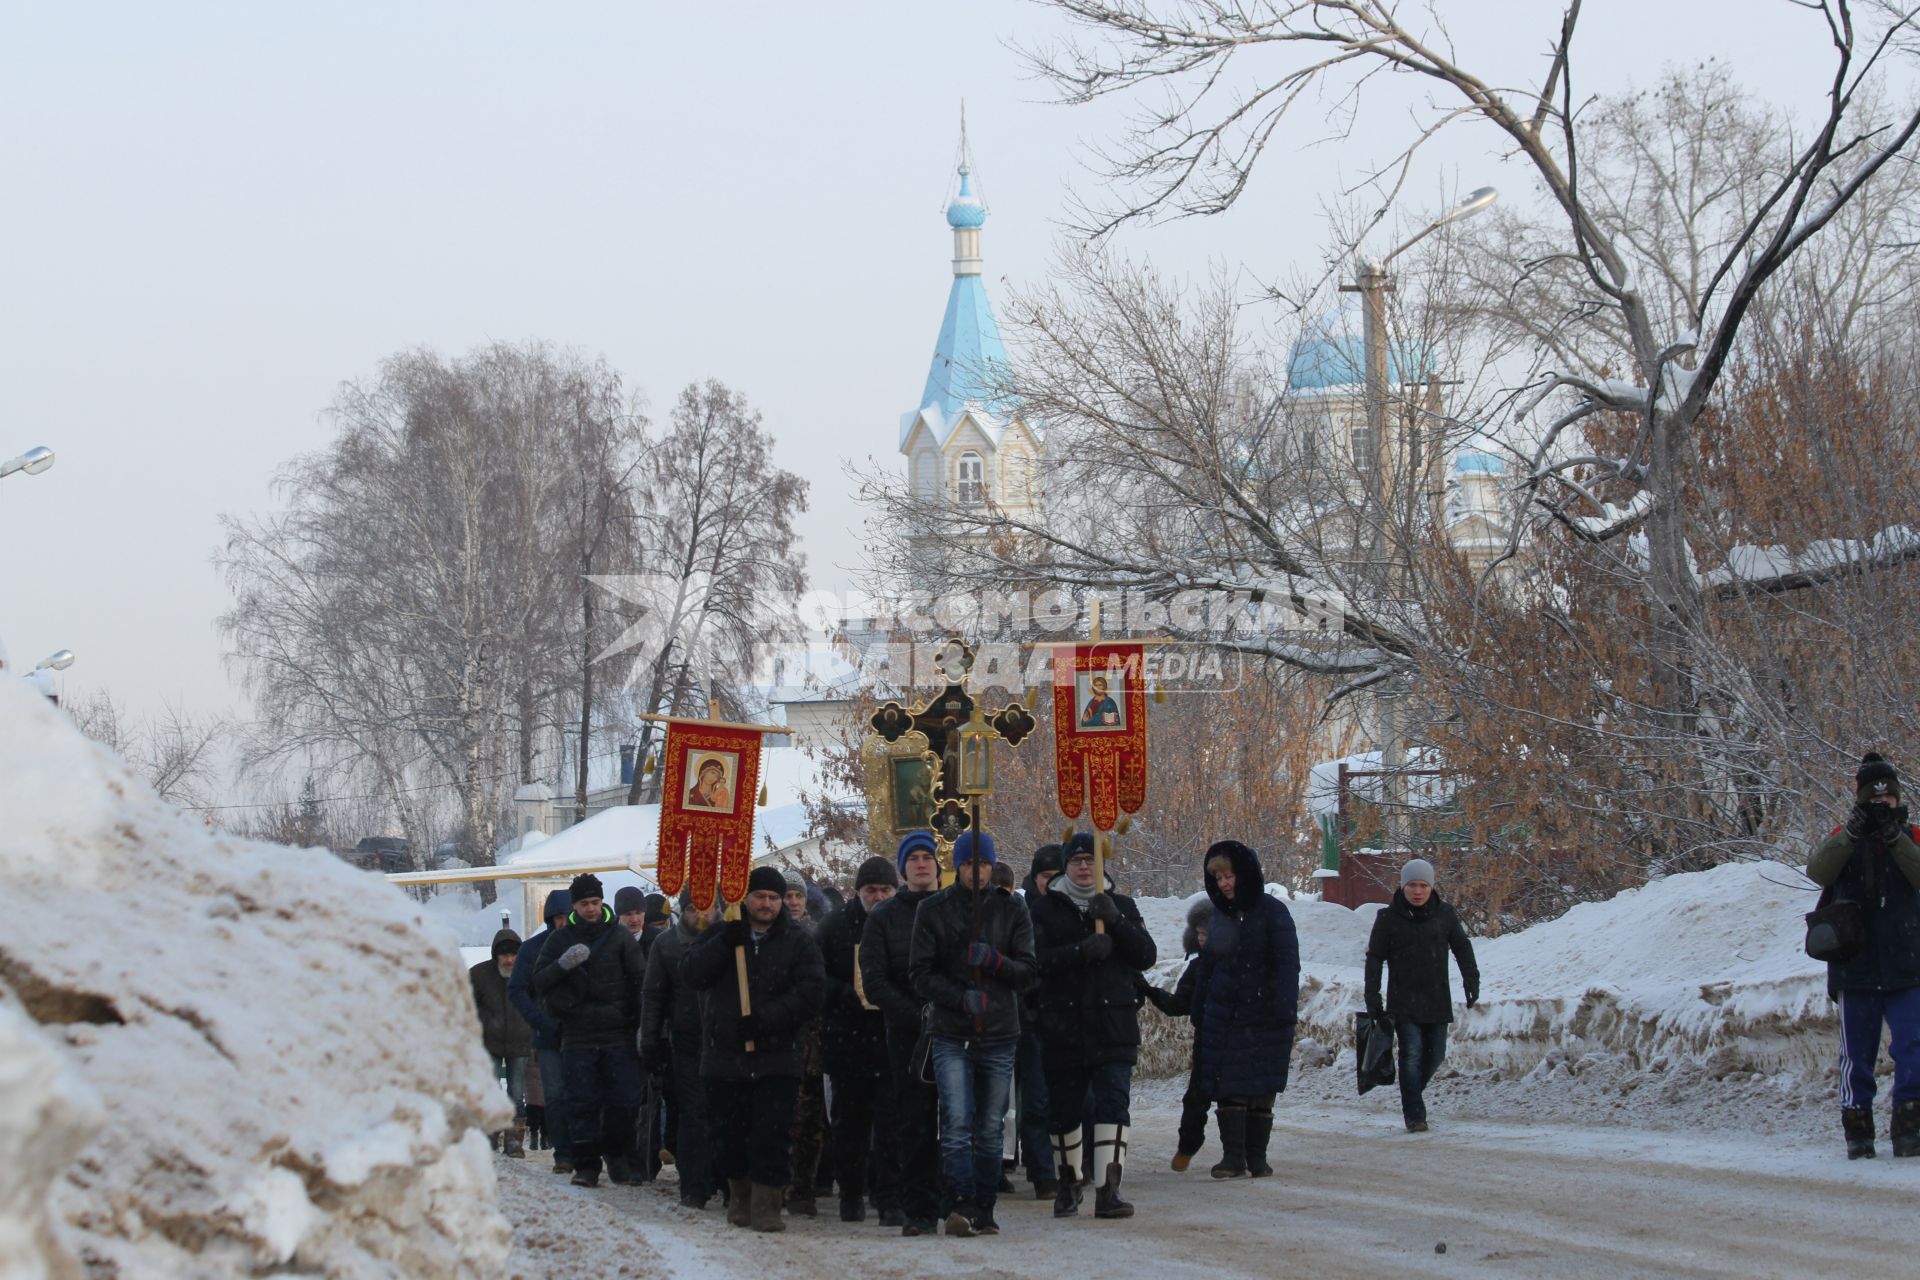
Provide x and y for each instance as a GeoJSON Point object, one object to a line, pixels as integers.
{"type": "Point", "coordinates": [967, 443]}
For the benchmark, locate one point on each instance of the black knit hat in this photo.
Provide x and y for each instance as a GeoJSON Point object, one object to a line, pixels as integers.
{"type": "Point", "coordinates": [1876, 778]}
{"type": "Point", "coordinates": [585, 886]}
{"type": "Point", "coordinates": [876, 870]}
{"type": "Point", "coordinates": [769, 879]}
{"type": "Point", "coordinates": [626, 899]}
{"type": "Point", "coordinates": [657, 908]}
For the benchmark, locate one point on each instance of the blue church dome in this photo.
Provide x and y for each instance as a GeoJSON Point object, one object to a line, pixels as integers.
{"type": "Point", "coordinates": [1332, 354]}
{"type": "Point", "coordinates": [966, 210]}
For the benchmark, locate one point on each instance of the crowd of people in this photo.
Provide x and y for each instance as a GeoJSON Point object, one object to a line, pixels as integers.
{"type": "Point", "coordinates": [911, 1048]}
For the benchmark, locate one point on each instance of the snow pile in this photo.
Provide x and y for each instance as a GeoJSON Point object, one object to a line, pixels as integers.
{"type": "Point", "coordinates": [287, 1059]}
{"type": "Point", "coordinates": [1703, 971]}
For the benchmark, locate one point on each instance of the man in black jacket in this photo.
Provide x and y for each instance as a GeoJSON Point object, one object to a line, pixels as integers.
{"type": "Point", "coordinates": [853, 1039]}
{"type": "Point", "coordinates": [752, 1057]}
{"type": "Point", "coordinates": [972, 956]}
{"type": "Point", "coordinates": [504, 1033]}
{"type": "Point", "coordinates": [1089, 1022]}
{"type": "Point", "coordinates": [886, 956]}
{"type": "Point", "coordinates": [1030, 1059]}
{"type": "Point", "coordinates": [1873, 860]}
{"type": "Point", "coordinates": [589, 976]}
{"type": "Point", "coordinates": [670, 1049]}
{"type": "Point", "coordinates": [1411, 937]}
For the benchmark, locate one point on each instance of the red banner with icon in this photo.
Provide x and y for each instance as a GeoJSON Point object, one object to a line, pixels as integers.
{"type": "Point", "coordinates": [1100, 730]}
{"type": "Point", "coordinates": [709, 781]}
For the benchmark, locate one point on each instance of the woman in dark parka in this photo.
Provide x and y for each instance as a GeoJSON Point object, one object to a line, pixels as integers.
{"type": "Point", "coordinates": [1246, 1000]}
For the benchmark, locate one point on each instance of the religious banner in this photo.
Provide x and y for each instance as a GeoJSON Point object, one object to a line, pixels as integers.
{"type": "Point", "coordinates": [1100, 730]}
{"type": "Point", "coordinates": [710, 777]}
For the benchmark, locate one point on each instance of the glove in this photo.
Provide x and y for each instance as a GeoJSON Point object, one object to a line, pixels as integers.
{"type": "Point", "coordinates": [1866, 819]}
{"type": "Point", "coordinates": [1375, 1009]}
{"type": "Point", "coordinates": [974, 1002]}
{"type": "Point", "coordinates": [749, 1029]}
{"type": "Point", "coordinates": [1473, 996]}
{"type": "Point", "coordinates": [738, 935]}
{"type": "Point", "coordinates": [1160, 999]}
{"type": "Point", "coordinates": [1096, 948]}
{"type": "Point", "coordinates": [983, 955]}
{"type": "Point", "coordinates": [1103, 907]}
{"type": "Point", "coordinates": [1896, 820]}
{"type": "Point", "coordinates": [574, 956]}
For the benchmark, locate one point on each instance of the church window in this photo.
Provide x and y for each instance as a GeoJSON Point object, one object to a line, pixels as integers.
{"type": "Point", "coordinates": [1361, 440]}
{"type": "Point", "coordinates": [972, 489]}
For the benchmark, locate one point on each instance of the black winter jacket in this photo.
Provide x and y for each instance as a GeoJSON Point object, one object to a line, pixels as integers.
{"type": "Point", "coordinates": [546, 1031]}
{"type": "Point", "coordinates": [886, 960]}
{"type": "Point", "coordinates": [1089, 1009]}
{"type": "Point", "coordinates": [943, 928]}
{"type": "Point", "coordinates": [669, 1008]}
{"type": "Point", "coordinates": [786, 986]}
{"type": "Point", "coordinates": [1246, 989]}
{"type": "Point", "coordinates": [1413, 943]}
{"type": "Point", "coordinates": [1871, 873]}
{"type": "Point", "coordinates": [502, 1030]}
{"type": "Point", "coordinates": [597, 1004]}
{"type": "Point", "coordinates": [853, 1037]}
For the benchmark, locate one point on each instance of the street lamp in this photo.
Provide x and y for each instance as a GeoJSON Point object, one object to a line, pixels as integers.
{"type": "Point", "coordinates": [33, 462]}
{"type": "Point", "coordinates": [1371, 283]}
{"type": "Point", "coordinates": [59, 660]}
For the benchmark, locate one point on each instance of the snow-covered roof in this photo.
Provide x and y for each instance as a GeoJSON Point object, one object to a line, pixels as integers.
{"type": "Point", "coordinates": [625, 833]}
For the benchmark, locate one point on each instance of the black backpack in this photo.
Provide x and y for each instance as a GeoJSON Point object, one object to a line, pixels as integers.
{"type": "Point", "coordinates": [1836, 928]}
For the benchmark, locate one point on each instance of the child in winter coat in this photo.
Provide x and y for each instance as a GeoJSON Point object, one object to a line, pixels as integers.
{"type": "Point", "coordinates": [1411, 937]}
{"type": "Point", "coordinates": [1178, 1003]}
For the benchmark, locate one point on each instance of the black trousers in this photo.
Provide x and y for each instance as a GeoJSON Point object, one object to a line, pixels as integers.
{"type": "Point", "coordinates": [917, 1129]}
{"type": "Point", "coordinates": [753, 1126]}
{"type": "Point", "coordinates": [692, 1144]}
{"type": "Point", "coordinates": [864, 1121]}
{"type": "Point", "coordinates": [603, 1097]}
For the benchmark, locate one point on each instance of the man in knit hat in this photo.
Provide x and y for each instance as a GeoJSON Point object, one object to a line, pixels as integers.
{"type": "Point", "coordinates": [751, 1060]}
{"type": "Point", "coordinates": [1872, 861]}
{"type": "Point", "coordinates": [972, 957]}
{"type": "Point", "coordinates": [1411, 938]}
{"type": "Point", "coordinates": [796, 899]}
{"type": "Point", "coordinates": [548, 1117]}
{"type": "Point", "coordinates": [853, 1036]}
{"type": "Point", "coordinates": [886, 947]}
{"type": "Point", "coordinates": [670, 1045]}
{"type": "Point", "coordinates": [630, 907]}
{"type": "Point", "coordinates": [811, 1164]}
{"type": "Point", "coordinates": [506, 1035]}
{"type": "Point", "coordinates": [589, 975]}
{"type": "Point", "coordinates": [1089, 1023]}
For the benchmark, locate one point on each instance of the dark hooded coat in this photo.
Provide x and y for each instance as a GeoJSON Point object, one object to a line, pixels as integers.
{"type": "Point", "coordinates": [598, 1003]}
{"type": "Point", "coordinates": [785, 985]}
{"type": "Point", "coordinates": [669, 1008]}
{"type": "Point", "coordinates": [504, 1032]}
{"type": "Point", "coordinates": [546, 1028]}
{"type": "Point", "coordinates": [1246, 988]}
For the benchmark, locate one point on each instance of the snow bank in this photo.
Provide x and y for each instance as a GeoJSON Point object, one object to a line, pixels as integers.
{"type": "Point", "coordinates": [1702, 970]}
{"type": "Point", "coordinates": [285, 1054]}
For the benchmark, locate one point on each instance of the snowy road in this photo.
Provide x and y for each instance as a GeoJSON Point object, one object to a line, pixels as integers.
{"type": "Point", "coordinates": [1354, 1196]}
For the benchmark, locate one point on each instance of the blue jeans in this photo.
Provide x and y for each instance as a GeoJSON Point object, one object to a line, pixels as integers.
{"type": "Point", "coordinates": [1107, 1088]}
{"type": "Point", "coordinates": [1423, 1045]}
{"type": "Point", "coordinates": [1861, 1013]}
{"type": "Point", "coordinates": [974, 1078]}
{"type": "Point", "coordinates": [512, 1072]}
{"type": "Point", "coordinates": [1031, 1066]}
{"type": "Point", "coordinates": [553, 1084]}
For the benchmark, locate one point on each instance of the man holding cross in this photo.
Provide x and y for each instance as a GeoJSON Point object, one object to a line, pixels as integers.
{"type": "Point", "coordinates": [972, 956]}
{"type": "Point", "coordinates": [751, 1058]}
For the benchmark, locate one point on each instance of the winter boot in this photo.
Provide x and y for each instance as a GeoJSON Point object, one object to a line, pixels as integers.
{"type": "Point", "coordinates": [1233, 1141]}
{"type": "Point", "coordinates": [983, 1223]}
{"type": "Point", "coordinates": [739, 1202]}
{"type": "Point", "coordinates": [493, 1139]}
{"type": "Point", "coordinates": [1110, 1148]}
{"type": "Point", "coordinates": [1046, 1189]}
{"type": "Point", "coordinates": [1181, 1159]}
{"type": "Point", "coordinates": [1066, 1154]}
{"type": "Point", "coordinates": [960, 1221]}
{"type": "Point", "coordinates": [620, 1172]}
{"type": "Point", "coordinates": [512, 1147]}
{"type": "Point", "coordinates": [853, 1210]}
{"type": "Point", "coordinates": [802, 1204]}
{"type": "Point", "coordinates": [587, 1175]}
{"type": "Point", "coordinates": [893, 1217]}
{"type": "Point", "coordinates": [1259, 1130]}
{"type": "Point", "coordinates": [1906, 1129]}
{"type": "Point", "coordinates": [764, 1211]}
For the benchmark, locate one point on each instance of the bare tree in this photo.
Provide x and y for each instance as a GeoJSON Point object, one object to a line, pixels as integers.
{"type": "Point", "coordinates": [176, 751]}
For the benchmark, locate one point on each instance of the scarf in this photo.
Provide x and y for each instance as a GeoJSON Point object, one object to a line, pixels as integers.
{"type": "Point", "coordinates": [1081, 898]}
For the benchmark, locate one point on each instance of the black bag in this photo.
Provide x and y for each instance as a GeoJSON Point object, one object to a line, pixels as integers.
{"type": "Point", "coordinates": [1372, 1050]}
{"type": "Point", "coordinates": [1836, 928]}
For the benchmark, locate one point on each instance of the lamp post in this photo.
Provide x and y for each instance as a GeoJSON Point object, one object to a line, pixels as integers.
{"type": "Point", "coordinates": [1372, 284]}
{"type": "Point", "coordinates": [33, 462]}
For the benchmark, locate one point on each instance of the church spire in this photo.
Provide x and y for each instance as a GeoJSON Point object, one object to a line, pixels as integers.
{"type": "Point", "coordinates": [966, 212]}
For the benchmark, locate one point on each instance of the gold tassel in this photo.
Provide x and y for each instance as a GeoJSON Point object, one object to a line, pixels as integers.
{"type": "Point", "coordinates": [1067, 834]}
{"type": "Point", "coordinates": [763, 795]}
{"type": "Point", "coordinates": [1159, 694]}
{"type": "Point", "coordinates": [1033, 697]}
{"type": "Point", "coordinates": [1125, 824]}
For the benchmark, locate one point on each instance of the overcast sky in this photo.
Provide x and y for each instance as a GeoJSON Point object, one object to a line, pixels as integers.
{"type": "Point", "coordinates": [215, 213]}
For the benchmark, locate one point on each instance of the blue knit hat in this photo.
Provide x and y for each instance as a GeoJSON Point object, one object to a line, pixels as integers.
{"type": "Point", "coordinates": [973, 845]}
{"type": "Point", "coordinates": [911, 841]}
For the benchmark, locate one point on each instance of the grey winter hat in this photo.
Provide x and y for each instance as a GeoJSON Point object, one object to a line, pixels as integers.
{"type": "Point", "coordinates": [1419, 869]}
{"type": "Point", "coordinates": [796, 881]}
